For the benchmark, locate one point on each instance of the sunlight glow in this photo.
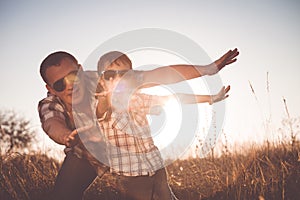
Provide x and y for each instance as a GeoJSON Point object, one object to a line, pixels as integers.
{"type": "Point", "coordinates": [166, 126]}
{"type": "Point", "coordinates": [172, 123]}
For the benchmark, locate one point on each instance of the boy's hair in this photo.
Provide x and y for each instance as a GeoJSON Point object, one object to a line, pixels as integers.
{"type": "Point", "coordinates": [54, 59]}
{"type": "Point", "coordinates": [113, 57]}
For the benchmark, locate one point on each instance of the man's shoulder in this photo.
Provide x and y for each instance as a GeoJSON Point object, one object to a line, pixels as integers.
{"type": "Point", "coordinates": [51, 102]}
{"type": "Point", "coordinates": [49, 99]}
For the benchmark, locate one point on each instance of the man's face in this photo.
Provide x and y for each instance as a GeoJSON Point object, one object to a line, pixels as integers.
{"type": "Point", "coordinates": [63, 81]}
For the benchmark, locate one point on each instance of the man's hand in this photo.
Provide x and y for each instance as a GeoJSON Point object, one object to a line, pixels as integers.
{"type": "Point", "coordinates": [226, 59]}
{"type": "Point", "coordinates": [71, 139]}
{"type": "Point", "coordinates": [222, 94]}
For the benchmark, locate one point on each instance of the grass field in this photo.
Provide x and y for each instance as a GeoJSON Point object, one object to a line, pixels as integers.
{"type": "Point", "coordinates": [264, 172]}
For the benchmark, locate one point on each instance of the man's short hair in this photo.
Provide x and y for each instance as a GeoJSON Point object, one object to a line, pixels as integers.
{"type": "Point", "coordinates": [54, 59]}
{"type": "Point", "coordinates": [113, 57]}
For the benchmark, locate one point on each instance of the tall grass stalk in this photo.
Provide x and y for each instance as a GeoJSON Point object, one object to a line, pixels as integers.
{"type": "Point", "coordinates": [259, 106]}
{"type": "Point", "coordinates": [293, 135]}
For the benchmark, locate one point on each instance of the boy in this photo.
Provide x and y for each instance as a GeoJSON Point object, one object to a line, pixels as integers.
{"type": "Point", "coordinates": [132, 153]}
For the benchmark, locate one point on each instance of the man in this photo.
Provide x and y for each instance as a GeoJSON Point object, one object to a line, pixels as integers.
{"type": "Point", "coordinates": [63, 77]}
{"type": "Point", "coordinates": [66, 87]}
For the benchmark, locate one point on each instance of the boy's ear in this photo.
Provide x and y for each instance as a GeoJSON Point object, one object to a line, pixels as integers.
{"type": "Point", "coordinates": [102, 82]}
{"type": "Point", "coordinates": [99, 88]}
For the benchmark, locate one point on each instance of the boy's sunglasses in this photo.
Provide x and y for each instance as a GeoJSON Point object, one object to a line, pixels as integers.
{"type": "Point", "coordinates": [71, 78]}
{"type": "Point", "coordinates": [113, 73]}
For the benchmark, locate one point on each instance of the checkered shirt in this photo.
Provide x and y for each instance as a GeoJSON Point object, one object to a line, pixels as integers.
{"type": "Point", "coordinates": [131, 149]}
{"type": "Point", "coordinates": [52, 107]}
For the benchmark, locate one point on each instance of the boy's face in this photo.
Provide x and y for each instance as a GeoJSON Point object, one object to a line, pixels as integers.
{"type": "Point", "coordinates": [63, 81]}
{"type": "Point", "coordinates": [110, 83]}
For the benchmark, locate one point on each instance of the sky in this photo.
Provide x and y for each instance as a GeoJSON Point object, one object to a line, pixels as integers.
{"type": "Point", "coordinates": [265, 32]}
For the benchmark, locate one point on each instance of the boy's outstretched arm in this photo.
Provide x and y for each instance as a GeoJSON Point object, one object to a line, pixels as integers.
{"type": "Point", "coordinates": [177, 73]}
{"type": "Point", "coordinates": [191, 98]}
{"type": "Point", "coordinates": [222, 94]}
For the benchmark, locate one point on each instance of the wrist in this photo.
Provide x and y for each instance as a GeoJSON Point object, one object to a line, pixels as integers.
{"type": "Point", "coordinates": [211, 99]}
{"type": "Point", "coordinates": [209, 69]}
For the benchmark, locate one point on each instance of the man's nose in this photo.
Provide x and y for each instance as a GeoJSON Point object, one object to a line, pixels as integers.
{"type": "Point", "coordinates": [70, 85]}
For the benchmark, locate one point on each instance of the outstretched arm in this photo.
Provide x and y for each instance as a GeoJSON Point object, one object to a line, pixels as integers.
{"type": "Point", "coordinates": [177, 73]}
{"type": "Point", "coordinates": [59, 132]}
{"type": "Point", "coordinates": [192, 98]}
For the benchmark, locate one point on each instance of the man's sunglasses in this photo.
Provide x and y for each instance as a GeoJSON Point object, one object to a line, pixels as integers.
{"type": "Point", "coordinates": [71, 78]}
{"type": "Point", "coordinates": [113, 73]}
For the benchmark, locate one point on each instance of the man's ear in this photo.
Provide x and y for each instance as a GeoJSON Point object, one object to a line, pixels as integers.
{"type": "Point", "coordinates": [50, 89]}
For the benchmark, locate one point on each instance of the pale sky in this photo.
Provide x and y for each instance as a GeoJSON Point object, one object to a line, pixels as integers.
{"type": "Point", "coordinates": [265, 32]}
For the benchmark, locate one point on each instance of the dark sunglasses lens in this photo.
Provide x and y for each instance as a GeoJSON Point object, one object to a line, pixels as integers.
{"type": "Point", "coordinates": [59, 85]}
{"type": "Point", "coordinates": [109, 74]}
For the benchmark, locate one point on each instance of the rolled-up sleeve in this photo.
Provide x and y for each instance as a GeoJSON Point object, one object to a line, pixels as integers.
{"type": "Point", "coordinates": [53, 120]}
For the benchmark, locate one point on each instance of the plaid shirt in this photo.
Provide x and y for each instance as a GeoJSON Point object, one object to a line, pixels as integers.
{"type": "Point", "coordinates": [130, 147]}
{"type": "Point", "coordinates": [52, 107]}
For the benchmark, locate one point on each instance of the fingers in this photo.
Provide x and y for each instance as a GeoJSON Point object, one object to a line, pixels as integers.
{"type": "Point", "coordinates": [70, 139]}
{"type": "Point", "coordinates": [79, 130]}
{"type": "Point", "coordinates": [233, 54]}
{"type": "Point", "coordinates": [102, 94]}
{"type": "Point", "coordinates": [227, 88]}
{"type": "Point", "coordinates": [72, 135]}
{"type": "Point", "coordinates": [230, 61]}
{"type": "Point", "coordinates": [227, 58]}
{"type": "Point", "coordinates": [223, 92]}
{"type": "Point", "coordinates": [230, 56]}
{"type": "Point", "coordinates": [221, 95]}
{"type": "Point", "coordinates": [226, 55]}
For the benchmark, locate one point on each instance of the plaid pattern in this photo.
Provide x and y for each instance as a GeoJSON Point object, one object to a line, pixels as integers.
{"type": "Point", "coordinates": [52, 107]}
{"type": "Point", "coordinates": [131, 149]}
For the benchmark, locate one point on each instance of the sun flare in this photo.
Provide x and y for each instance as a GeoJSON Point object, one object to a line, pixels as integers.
{"type": "Point", "coordinates": [173, 118]}
{"type": "Point", "coordinates": [165, 127]}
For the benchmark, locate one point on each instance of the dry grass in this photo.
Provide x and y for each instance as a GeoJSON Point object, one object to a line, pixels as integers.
{"type": "Point", "coordinates": [270, 172]}
{"type": "Point", "coordinates": [26, 176]}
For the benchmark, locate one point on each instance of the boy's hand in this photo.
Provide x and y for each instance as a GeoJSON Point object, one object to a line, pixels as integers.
{"type": "Point", "coordinates": [226, 59]}
{"type": "Point", "coordinates": [102, 94]}
{"type": "Point", "coordinates": [221, 95]}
